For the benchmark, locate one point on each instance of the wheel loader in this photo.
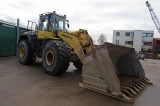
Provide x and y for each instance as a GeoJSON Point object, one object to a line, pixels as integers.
{"type": "Point", "coordinates": [110, 69]}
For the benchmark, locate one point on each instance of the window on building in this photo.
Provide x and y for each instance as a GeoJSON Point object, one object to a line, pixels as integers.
{"type": "Point", "coordinates": [117, 41]}
{"type": "Point", "coordinates": [147, 43]}
{"type": "Point", "coordinates": [129, 42]}
{"type": "Point", "coordinates": [143, 49]}
{"type": "Point", "coordinates": [117, 33]}
{"type": "Point", "coordinates": [149, 49]}
{"type": "Point", "coordinates": [147, 35]}
{"type": "Point", "coordinates": [144, 34]}
{"type": "Point", "coordinates": [129, 34]}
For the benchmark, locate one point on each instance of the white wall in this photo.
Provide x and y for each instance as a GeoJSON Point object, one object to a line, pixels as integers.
{"type": "Point", "coordinates": [137, 39]}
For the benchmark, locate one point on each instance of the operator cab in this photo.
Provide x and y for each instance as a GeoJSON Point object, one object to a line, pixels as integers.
{"type": "Point", "coordinates": [52, 22]}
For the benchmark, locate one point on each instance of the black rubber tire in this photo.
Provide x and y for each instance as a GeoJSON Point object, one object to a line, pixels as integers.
{"type": "Point", "coordinates": [28, 57]}
{"type": "Point", "coordinates": [61, 57]}
{"type": "Point", "coordinates": [78, 65]}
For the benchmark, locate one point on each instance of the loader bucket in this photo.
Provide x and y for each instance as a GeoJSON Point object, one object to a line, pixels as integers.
{"type": "Point", "coordinates": [115, 71]}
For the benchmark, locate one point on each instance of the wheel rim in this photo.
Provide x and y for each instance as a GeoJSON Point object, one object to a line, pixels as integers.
{"type": "Point", "coordinates": [49, 58]}
{"type": "Point", "coordinates": [21, 52]}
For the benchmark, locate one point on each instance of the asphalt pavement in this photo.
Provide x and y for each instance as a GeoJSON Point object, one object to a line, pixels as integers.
{"type": "Point", "coordinates": [22, 85]}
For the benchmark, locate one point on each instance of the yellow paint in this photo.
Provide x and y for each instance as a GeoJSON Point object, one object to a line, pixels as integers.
{"type": "Point", "coordinates": [78, 40]}
{"type": "Point", "coordinates": [45, 34]}
{"type": "Point", "coordinates": [74, 43]}
{"type": "Point", "coordinates": [22, 52]}
{"type": "Point", "coordinates": [49, 57]}
{"type": "Point", "coordinates": [84, 38]}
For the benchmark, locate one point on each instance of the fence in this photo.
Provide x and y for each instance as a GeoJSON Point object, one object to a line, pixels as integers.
{"type": "Point", "coordinates": [8, 37]}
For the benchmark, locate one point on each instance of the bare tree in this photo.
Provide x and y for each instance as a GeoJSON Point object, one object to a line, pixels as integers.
{"type": "Point", "coordinates": [102, 38]}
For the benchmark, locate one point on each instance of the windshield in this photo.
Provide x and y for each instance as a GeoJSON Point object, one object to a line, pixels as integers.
{"type": "Point", "coordinates": [59, 23]}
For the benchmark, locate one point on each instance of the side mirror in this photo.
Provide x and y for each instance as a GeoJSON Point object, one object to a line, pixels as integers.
{"type": "Point", "coordinates": [67, 23]}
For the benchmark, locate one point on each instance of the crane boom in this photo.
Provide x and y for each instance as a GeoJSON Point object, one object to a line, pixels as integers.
{"type": "Point", "coordinates": [154, 17]}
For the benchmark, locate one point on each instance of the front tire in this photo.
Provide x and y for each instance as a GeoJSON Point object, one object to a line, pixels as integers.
{"type": "Point", "coordinates": [55, 57]}
{"type": "Point", "coordinates": [25, 55]}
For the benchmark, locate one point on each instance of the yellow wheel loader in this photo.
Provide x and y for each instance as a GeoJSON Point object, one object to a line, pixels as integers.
{"type": "Point", "coordinates": [110, 69]}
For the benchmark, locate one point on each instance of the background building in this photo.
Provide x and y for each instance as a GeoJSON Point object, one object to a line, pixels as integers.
{"type": "Point", "coordinates": [156, 45]}
{"type": "Point", "coordinates": [141, 40]}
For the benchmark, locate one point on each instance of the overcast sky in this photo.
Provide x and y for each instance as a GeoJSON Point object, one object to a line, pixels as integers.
{"type": "Point", "coordinates": [96, 16]}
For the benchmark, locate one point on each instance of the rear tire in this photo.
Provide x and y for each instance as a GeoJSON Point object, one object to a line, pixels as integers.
{"type": "Point", "coordinates": [55, 57]}
{"type": "Point", "coordinates": [78, 65]}
{"type": "Point", "coordinates": [25, 55]}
